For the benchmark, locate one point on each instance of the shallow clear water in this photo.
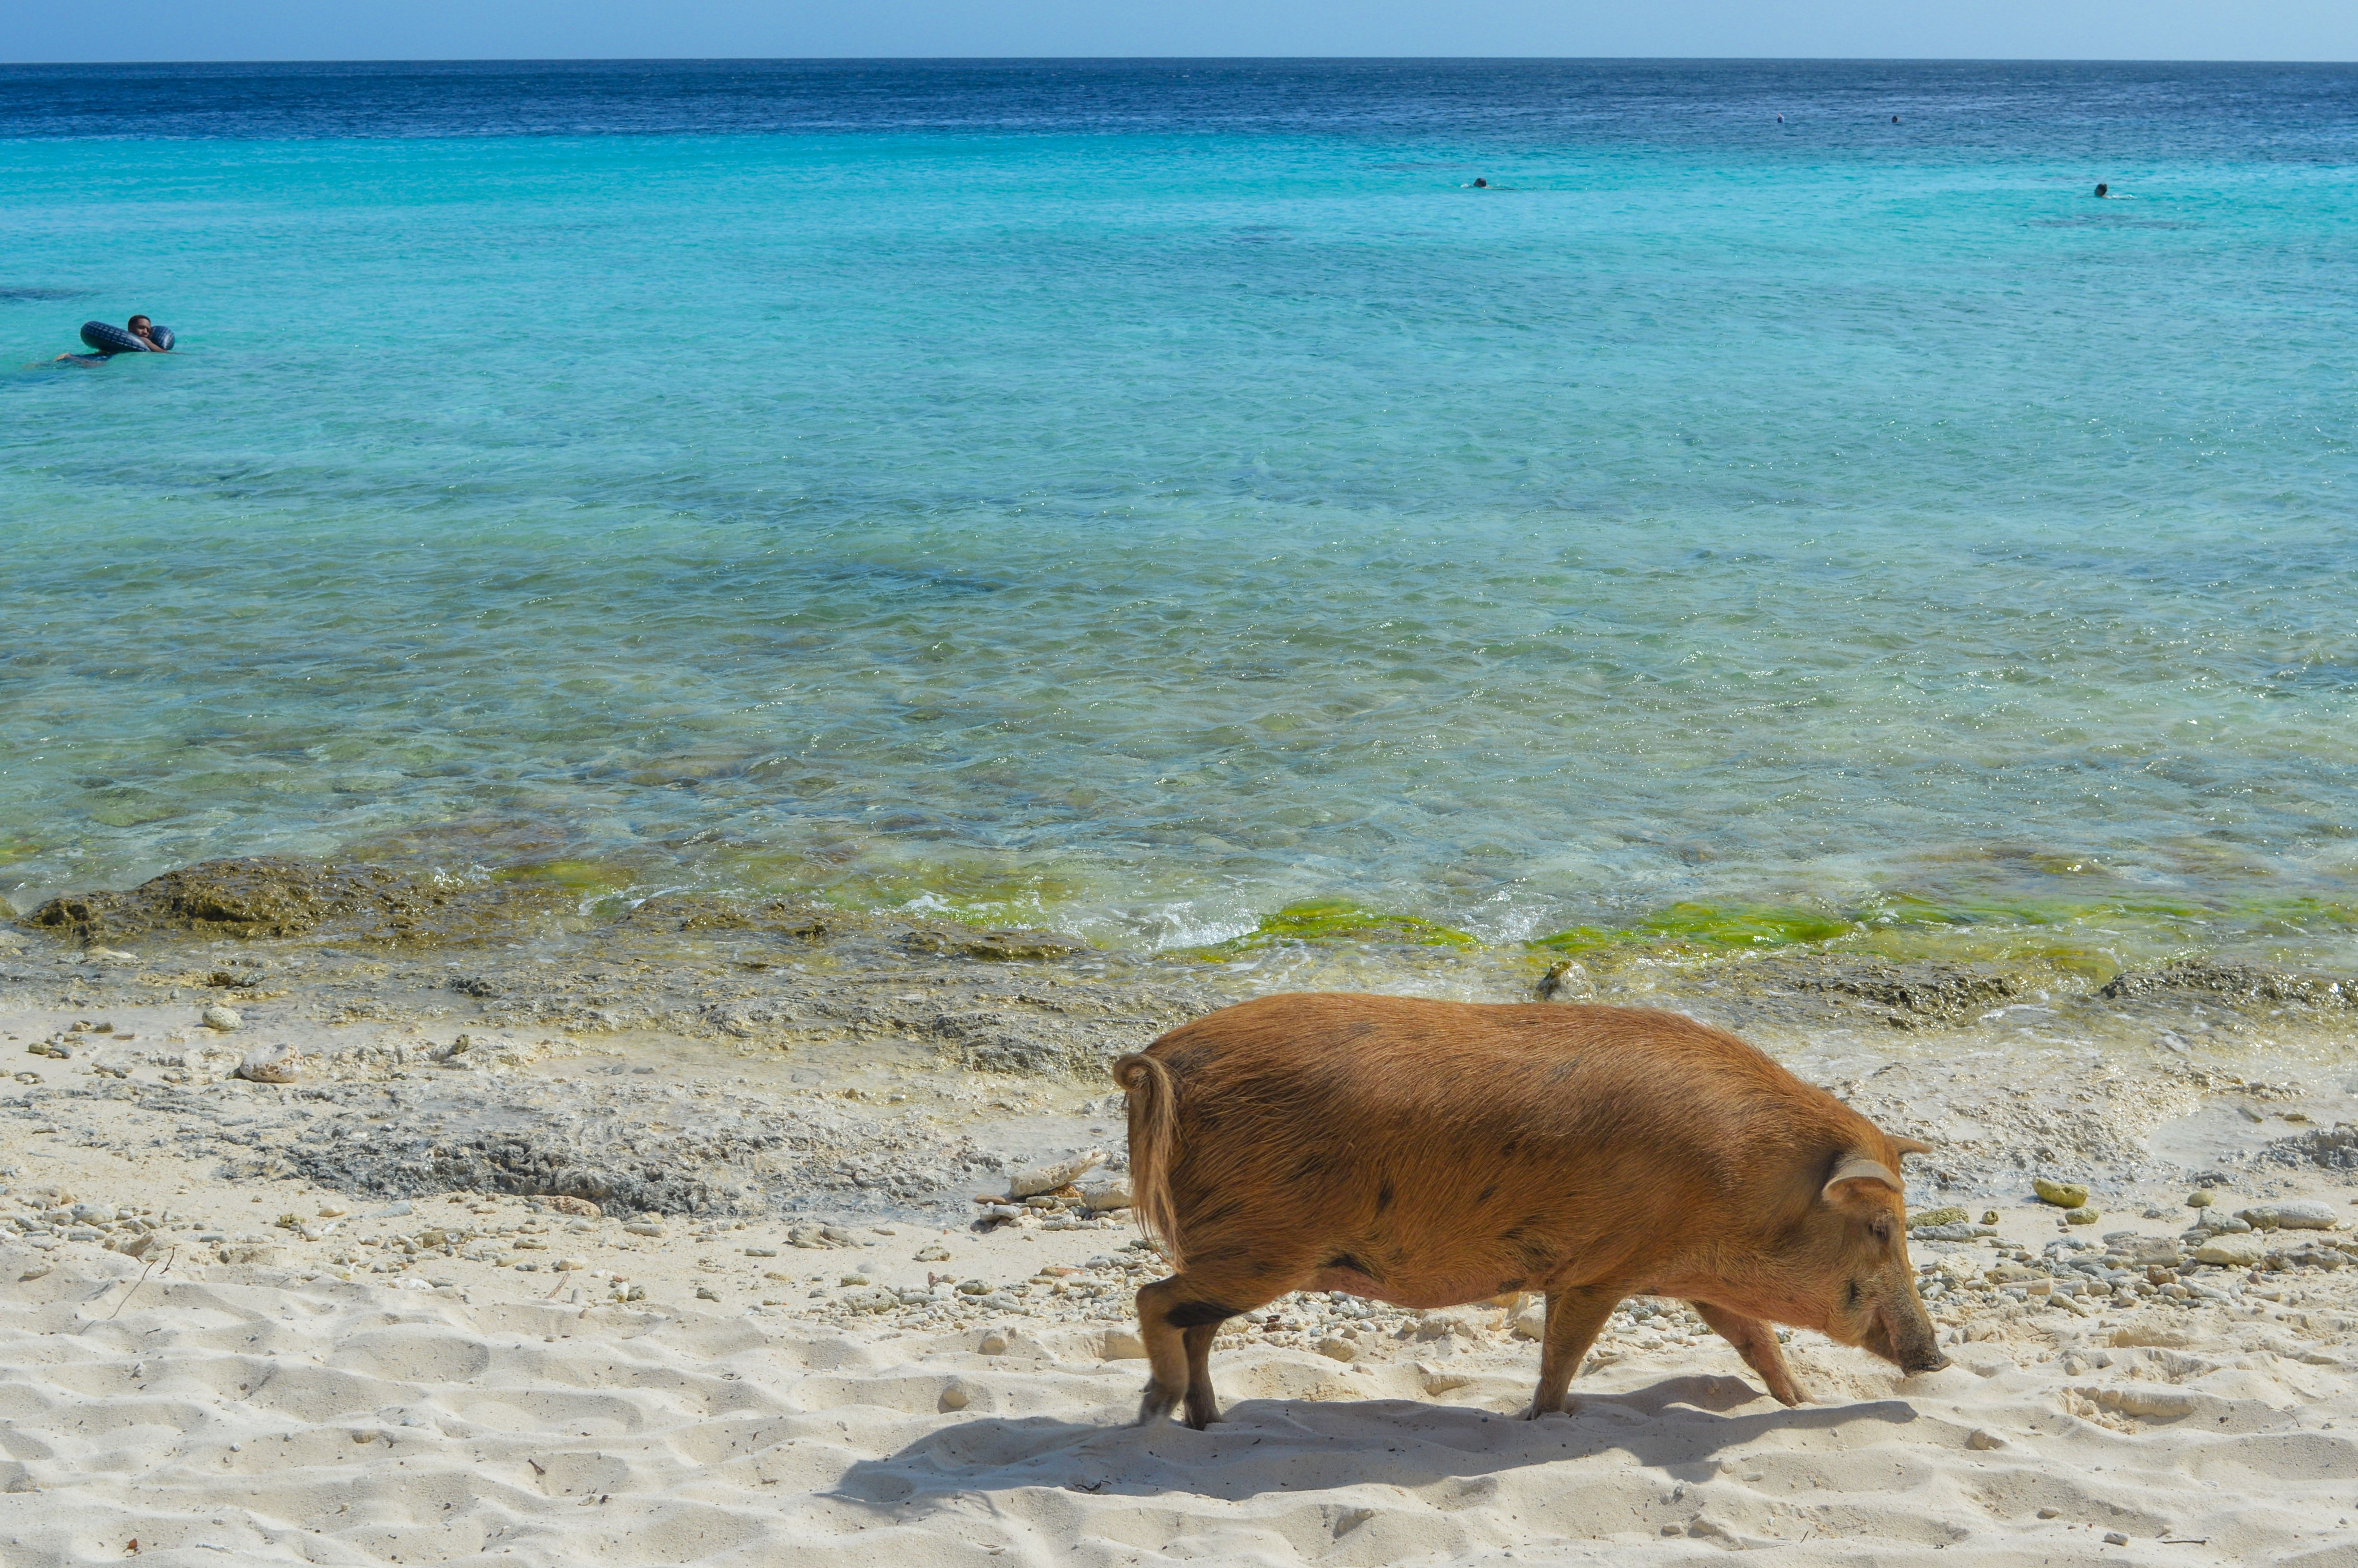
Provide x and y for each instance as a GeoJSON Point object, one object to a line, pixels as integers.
{"type": "Point", "coordinates": [1145, 497]}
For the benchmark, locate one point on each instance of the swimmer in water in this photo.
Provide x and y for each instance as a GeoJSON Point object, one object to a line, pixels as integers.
{"type": "Point", "coordinates": [139, 327]}
{"type": "Point", "coordinates": [1481, 183]}
{"type": "Point", "coordinates": [2102, 190]}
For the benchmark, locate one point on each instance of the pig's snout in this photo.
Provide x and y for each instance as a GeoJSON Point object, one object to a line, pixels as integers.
{"type": "Point", "coordinates": [1904, 1339]}
{"type": "Point", "coordinates": [1914, 1347]}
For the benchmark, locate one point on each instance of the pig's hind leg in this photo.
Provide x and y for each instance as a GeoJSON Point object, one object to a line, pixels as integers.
{"type": "Point", "coordinates": [1203, 1407]}
{"type": "Point", "coordinates": [1176, 1319]}
{"type": "Point", "coordinates": [1757, 1343]}
{"type": "Point", "coordinates": [1574, 1319]}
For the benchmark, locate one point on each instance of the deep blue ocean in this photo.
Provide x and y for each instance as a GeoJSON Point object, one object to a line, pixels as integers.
{"type": "Point", "coordinates": [1782, 503]}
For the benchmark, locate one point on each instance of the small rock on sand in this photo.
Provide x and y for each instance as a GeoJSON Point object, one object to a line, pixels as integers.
{"type": "Point", "coordinates": [222, 1019]}
{"type": "Point", "coordinates": [563, 1205]}
{"type": "Point", "coordinates": [1951, 1215]}
{"type": "Point", "coordinates": [1337, 1348]}
{"type": "Point", "coordinates": [1111, 1194]}
{"type": "Point", "coordinates": [1982, 1438]}
{"type": "Point", "coordinates": [2232, 1252]}
{"type": "Point", "coordinates": [271, 1065]}
{"type": "Point", "coordinates": [1048, 1178]}
{"type": "Point", "coordinates": [2062, 1194]}
{"type": "Point", "coordinates": [954, 1398]}
{"type": "Point", "coordinates": [2297, 1214]}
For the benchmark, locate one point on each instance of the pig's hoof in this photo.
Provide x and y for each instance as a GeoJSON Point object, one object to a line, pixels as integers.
{"type": "Point", "coordinates": [1202, 1412]}
{"type": "Point", "coordinates": [1534, 1410]}
{"type": "Point", "coordinates": [1155, 1405]}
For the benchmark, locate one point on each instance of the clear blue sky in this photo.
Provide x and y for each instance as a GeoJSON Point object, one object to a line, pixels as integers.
{"type": "Point", "coordinates": [447, 29]}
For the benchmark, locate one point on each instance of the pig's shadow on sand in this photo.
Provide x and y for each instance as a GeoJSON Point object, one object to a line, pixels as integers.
{"type": "Point", "coordinates": [1680, 1426]}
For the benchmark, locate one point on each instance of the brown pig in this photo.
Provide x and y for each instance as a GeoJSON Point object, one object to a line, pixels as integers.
{"type": "Point", "coordinates": [1430, 1153]}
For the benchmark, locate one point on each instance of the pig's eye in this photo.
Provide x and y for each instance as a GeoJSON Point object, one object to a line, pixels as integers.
{"type": "Point", "coordinates": [1881, 1227]}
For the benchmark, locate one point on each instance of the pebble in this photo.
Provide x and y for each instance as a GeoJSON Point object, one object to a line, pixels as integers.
{"type": "Point", "coordinates": [1951, 1215]}
{"type": "Point", "coordinates": [642, 1228]}
{"type": "Point", "coordinates": [2062, 1194]}
{"type": "Point", "coordinates": [993, 1344]}
{"type": "Point", "coordinates": [954, 1398]}
{"type": "Point", "coordinates": [1567, 979]}
{"type": "Point", "coordinates": [220, 1019]}
{"type": "Point", "coordinates": [1041, 1179]}
{"type": "Point", "coordinates": [1111, 1193]}
{"type": "Point", "coordinates": [269, 1063]}
{"type": "Point", "coordinates": [2232, 1252]}
{"type": "Point", "coordinates": [761, 1252]}
{"type": "Point", "coordinates": [707, 1293]}
{"type": "Point", "coordinates": [2115, 1538]}
{"type": "Point", "coordinates": [1982, 1438]}
{"type": "Point", "coordinates": [2081, 1216]}
{"type": "Point", "coordinates": [935, 1253]}
{"type": "Point", "coordinates": [2297, 1214]}
{"type": "Point", "coordinates": [571, 1263]}
{"type": "Point", "coordinates": [2200, 1198]}
{"type": "Point", "coordinates": [565, 1204]}
{"type": "Point", "coordinates": [1337, 1348]}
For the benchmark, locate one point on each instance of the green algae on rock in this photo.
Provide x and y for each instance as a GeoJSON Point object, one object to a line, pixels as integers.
{"type": "Point", "coordinates": [264, 896]}
{"type": "Point", "coordinates": [1710, 926]}
{"type": "Point", "coordinates": [1341, 920]}
{"type": "Point", "coordinates": [997, 944]}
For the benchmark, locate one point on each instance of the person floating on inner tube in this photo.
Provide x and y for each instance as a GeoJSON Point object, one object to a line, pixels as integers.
{"type": "Point", "coordinates": [138, 336]}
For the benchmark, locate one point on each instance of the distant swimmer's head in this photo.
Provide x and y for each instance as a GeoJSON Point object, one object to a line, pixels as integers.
{"type": "Point", "coordinates": [1481, 183]}
{"type": "Point", "coordinates": [2102, 189]}
{"type": "Point", "coordinates": [140, 327]}
{"type": "Point", "coordinates": [1895, 119]}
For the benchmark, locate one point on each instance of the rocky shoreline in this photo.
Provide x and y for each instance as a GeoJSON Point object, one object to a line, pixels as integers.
{"type": "Point", "coordinates": [706, 1056]}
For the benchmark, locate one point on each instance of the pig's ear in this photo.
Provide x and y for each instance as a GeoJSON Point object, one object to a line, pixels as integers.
{"type": "Point", "coordinates": [1908, 1146]}
{"type": "Point", "coordinates": [1858, 1168]}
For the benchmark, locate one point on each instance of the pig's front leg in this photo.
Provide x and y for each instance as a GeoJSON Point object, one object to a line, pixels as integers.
{"type": "Point", "coordinates": [1757, 1343]}
{"type": "Point", "coordinates": [1573, 1318]}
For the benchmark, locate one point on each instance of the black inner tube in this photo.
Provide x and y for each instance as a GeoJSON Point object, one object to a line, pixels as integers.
{"type": "Point", "coordinates": [109, 339]}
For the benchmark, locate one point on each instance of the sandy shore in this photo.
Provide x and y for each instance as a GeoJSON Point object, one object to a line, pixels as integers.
{"type": "Point", "coordinates": [270, 1412]}
{"type": "Point", "coordinates": [585, 1251]}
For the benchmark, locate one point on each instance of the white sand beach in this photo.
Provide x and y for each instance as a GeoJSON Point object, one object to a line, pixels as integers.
{"type": "Point", "coordinates": [469, 1379]}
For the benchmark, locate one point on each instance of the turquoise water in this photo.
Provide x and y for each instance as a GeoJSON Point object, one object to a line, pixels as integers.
{"type": "Point", "coordinates": [1146, 501]}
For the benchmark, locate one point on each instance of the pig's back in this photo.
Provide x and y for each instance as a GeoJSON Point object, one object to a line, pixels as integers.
{"type": "Point", "coordinates": [1431, 1151]}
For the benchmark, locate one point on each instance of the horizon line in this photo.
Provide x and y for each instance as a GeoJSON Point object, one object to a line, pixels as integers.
{"type": "Point", "coordinates": [1183, 60]}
